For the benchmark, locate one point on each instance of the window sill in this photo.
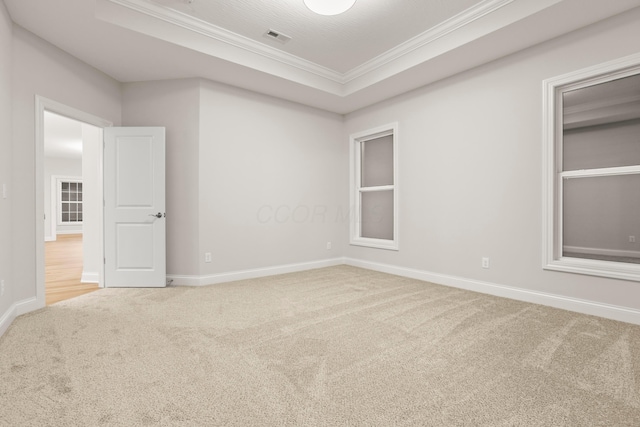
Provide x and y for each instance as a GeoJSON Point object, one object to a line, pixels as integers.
{"type": "Point", "coordinates": [610, 269]}
{"type": "Point", "coordinates": [375, 243]}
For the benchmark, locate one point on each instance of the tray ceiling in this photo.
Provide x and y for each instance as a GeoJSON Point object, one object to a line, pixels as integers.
{"type": "Point", "coordinates": [376, 50]}
{"type": "Point", "coordinates": [339, 43]}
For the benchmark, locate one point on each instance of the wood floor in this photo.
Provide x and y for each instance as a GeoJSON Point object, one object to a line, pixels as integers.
{"type": "Point", "coordinates": [63, 269]}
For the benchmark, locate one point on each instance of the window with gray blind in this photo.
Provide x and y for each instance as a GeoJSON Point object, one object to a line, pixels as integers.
{"type": "Point", "coordinates": [374, 191]}
{"type": "Point", "coordinates": [592, 179]}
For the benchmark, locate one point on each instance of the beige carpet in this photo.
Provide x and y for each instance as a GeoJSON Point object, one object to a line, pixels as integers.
{"type": "Point", "coordinates": [338, 346]}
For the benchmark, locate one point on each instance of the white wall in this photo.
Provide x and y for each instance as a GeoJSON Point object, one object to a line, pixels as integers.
{"type": "Point", "coordinates": [61, 167]}
{"type": "Point", "coordinates": [39, 68]}
{"type": "Point", "coordinates": [470, 168]}
{"type": "Point", "coordinates": [273, 181]}
{"type": "Point", "coordinates": [173, 104]}
{"type": "Point", "coordinates": [253, 180]}
{"type": "Point", "coordinates": [6, 220]}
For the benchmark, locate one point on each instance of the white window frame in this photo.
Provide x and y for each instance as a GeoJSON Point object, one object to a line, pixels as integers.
{"type": "Point", "coordinates": [59, 180]}
{"type": "Point", "coordinates": [553, 175]}
{"type": "Point", "coordinates": [357, 189]}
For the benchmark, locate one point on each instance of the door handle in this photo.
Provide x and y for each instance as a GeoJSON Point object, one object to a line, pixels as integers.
{"type": "Point", "coordinates": [158, 215]}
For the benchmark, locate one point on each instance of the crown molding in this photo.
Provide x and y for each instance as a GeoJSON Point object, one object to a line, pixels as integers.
{"type": "Point", "coordinates": [207, 29]}
{"type": "Point", "coordinates": [477, 25]}
{"type": "Point", "coordinates": [452, 24]}
{"type": "Point", "coordinates": [220, 34]}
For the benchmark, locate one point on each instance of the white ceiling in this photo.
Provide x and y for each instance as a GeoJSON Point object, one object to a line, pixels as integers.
{"type": "Point", "coordinates": [62, 137]}
{"type": "Point", "coordinates": [376, 50]}
{"type": "Point", "coordinates": [339, 43]}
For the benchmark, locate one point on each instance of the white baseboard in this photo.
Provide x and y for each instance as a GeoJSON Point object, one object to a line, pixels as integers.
{"type": "Point", "coordinates": [49, 239]}
{"type": "Point", "coordinates": [28, 305]}
{"type": "Point", "coordinates": [213, 279]}
{"type": "Point", "coordinates": [7, 318]}
{"type": "Point", "coordinates": [598, 251]}
{"type": "Point", "coordinates": [69, 232]}
{"type": "Point", "coordinates": [622, 314]}
{"type": "Point", "coordinates": [16, 309]}
{"type": "Point", "coordinates": [90, 277]}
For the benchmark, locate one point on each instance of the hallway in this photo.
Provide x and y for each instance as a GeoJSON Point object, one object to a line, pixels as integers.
{"type": "Point", "coordinates": [63, 269]}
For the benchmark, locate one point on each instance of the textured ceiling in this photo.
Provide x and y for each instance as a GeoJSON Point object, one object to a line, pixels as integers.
{"type": "Point", "coordinates": [342, 42]}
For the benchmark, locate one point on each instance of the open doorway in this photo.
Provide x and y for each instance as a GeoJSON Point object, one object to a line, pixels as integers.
{"type": "Point", "coordinates": [67, 273]}
{"type": "Point", "coordinates": [69, 233]}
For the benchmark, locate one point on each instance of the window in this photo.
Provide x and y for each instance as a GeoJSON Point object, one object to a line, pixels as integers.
{"type": "Point", "coordinates": [69, 201]}
{"type": "Point", "coordinates": [592, 171]}
{"type": "Point", "coordinates": [374, 188]}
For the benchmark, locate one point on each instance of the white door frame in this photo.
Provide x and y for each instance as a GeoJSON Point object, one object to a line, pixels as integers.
{"type": "Point", "coordinates": [43, 104]}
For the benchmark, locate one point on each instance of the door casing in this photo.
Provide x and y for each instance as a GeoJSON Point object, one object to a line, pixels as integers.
{"type": "Point", "coordinates": [43, 104]}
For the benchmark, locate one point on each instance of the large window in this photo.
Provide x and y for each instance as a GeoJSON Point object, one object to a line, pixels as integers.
{"type": "Point", "coordinates": [374, 188]}
{"type": "Point", "coordinates": [592, 177]}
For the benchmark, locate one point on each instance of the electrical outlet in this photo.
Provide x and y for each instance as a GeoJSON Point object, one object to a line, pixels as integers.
{"type": "Point", "coordinates": [632, 239]}
{"type": "Point", "coordinates": [485, 262]}
{"type": "Point", "coordinates": [1, 288]}
{"type": "Point", "coordinates": [207, 257]}
{"type": "Point", "coordinates": [328, 245]}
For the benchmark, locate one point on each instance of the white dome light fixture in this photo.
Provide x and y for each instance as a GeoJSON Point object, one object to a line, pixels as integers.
{"type": "Point", "coordinates": [329, 7]}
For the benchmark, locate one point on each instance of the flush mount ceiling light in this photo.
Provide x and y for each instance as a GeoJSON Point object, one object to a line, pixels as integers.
{"type": "Point", "coordinates": [329, 7]}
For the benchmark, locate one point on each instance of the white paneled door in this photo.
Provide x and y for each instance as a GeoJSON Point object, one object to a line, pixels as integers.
{"type": "Point", "coordinates": [134, 211]}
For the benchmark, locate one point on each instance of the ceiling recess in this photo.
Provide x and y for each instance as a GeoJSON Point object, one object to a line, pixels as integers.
{"type": "Point", "coordinates": [276, 35]}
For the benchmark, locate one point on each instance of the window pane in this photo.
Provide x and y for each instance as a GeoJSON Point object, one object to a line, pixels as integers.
{"type": "Point", "coordinates": [601, 125]}
{"type": "Point", "coordinates": [377, 162]}
{"type": "Point", "coordinates": [65, 196]}
{"type": "Point", "coordinates": [73, 217]}
{"type": "Point", "coordinates": [65, 186]}
{"type": "Point", "coordinates": [65, 217]}
{"type": "Point", "coordinates": [377, 214]}
{"type": "Point", "coordinates": [601, 218]}
{"type": "Point", "coordinates": [79, 197]}
{"type": "Point", "coordinates": [80, 186]}
{"type": "Point", "coordinates": [602, 146]}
